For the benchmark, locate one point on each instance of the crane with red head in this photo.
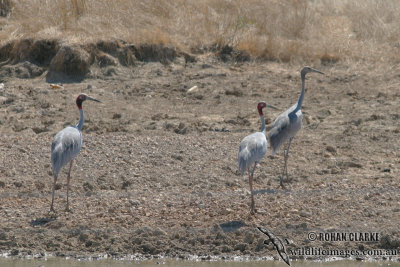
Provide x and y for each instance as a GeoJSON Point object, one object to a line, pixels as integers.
{"type": "Point", "coordinates": [251, 150]}
{"type": "Point", "coordinates": [66, 146]}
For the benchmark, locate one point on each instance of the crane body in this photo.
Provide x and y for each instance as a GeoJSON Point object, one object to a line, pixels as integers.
{"type": "Point", "coordinates": [287, 124]}
{"type": "Point", "coordinates": [66, 146]}
{"type": "Point", "coordinates": [251, 150]}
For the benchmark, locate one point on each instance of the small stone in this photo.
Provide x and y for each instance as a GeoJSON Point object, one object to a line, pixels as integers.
{"type": "Point", "coordinates": [18, 184]}
{"type": "Point", "coordinates": [193, 89]}
{"type": "Point", "coordinates": [39, 185]}
{"type": "Point", "coordinates": [323, 114]}
{"type": "Point", "coordinates": [56, 86]}
{"type": "Point", "coordinates": [88, 187]}
{"type": "Point", "coordinates": [126, 184]}
{"type": "Point", "coordinates": [226, 211]}
{"type": "Point", "coordinates": [305, 214]}
{"type": "Point", "coordinates": [241, 246]}
{"type": "Point", "coordinates": [3, 99]}
{"type": "Point", "coordinates": [134, 202]}
{"type": "Point", "coordinates": [116, 116]}
{"type": "Point", "coordinates": [177, 157]}
{"type": "Point", "coordinates": [234, 92]}
{"type": "Point", "coordinates": [331, 149]}
{"type": "Point", "coordinates": [353, 164]}
{"type": "Point", "coordinates": [3, 236]}
{"type": "Point", "coordinates": [249, 238]}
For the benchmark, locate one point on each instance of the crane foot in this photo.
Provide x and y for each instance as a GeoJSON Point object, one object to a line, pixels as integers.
{"type": "Point", "coordinates": [52, 210]}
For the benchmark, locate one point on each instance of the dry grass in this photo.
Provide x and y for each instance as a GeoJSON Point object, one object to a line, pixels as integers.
{"type": "Point", "coordinates": [287, 30]}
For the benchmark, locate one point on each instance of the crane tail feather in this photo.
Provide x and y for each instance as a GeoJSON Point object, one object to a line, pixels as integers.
{"type": "Point", "coordinates": [243, 160]}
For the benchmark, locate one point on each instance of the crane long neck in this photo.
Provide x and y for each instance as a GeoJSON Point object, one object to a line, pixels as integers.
{"type": "Point", "coordinates": [81, 120]}
{"type": "Point", "coordinates": [262, 124]}
{"type": "Point", "coordinates": [300, 102]}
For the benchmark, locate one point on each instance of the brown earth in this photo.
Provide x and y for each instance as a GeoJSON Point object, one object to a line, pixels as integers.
{"type": "Point", "coordinates": [157, 174]}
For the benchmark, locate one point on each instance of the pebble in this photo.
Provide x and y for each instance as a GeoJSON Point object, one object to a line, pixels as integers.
{"type": "Point", "coordinates": [56, 86]}
{"type": "Point", "coordinates": [352, 164]}
{"type": "Point", "coordinates": [193, 89]}
{"type": "Point", "coordinates": [331, 149]}
{"type": "Point", "coordinates": [305, 214]}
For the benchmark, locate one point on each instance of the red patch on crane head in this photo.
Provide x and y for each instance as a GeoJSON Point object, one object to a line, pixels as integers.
{"type": "Point", "coordinates": [260, 106]}
{"type": "Point", "coordinates": [79, 100]}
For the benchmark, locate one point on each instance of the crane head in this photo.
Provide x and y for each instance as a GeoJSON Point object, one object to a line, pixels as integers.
{"type": "Point", "coordinates": [306, 70]}
{"type": "Point", "coordinates": [83, 97]}
{"type": "Point", "coordinates": [262, 105]}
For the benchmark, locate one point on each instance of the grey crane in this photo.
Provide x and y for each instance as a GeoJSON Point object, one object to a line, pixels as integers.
{"type": "Point", "coordinates": [287, 124]}
{"type": "Point", "coordinates": [66, 146]}
{"type": "Point", "coordinates": [252, 149]}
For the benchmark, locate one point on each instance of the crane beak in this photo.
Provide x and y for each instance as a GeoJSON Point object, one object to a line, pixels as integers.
{"type": "Point", "coordinates": [93, 99]}
{"type": "Point", "coordinates": [271, 106]}
{"type": "Point", "coordinates": [317, 71]}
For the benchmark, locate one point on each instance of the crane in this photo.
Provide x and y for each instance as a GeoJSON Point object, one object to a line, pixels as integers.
{"type": "Point", "coordinates": [287, 124]}
{"type": "Point", "coordinates": [66, 146]}
{"type": "Point", "coordinates": [252, 149]}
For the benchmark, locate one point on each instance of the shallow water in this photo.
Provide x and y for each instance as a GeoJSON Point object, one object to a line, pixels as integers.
{"type": "Point", "coordinates": [57, 262]}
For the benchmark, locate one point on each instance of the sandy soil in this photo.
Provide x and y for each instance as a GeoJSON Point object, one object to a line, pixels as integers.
{"type": "Point", "coordinates": [157, 174]}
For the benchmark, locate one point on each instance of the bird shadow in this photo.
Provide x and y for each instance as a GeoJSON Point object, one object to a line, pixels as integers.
{"type": "Point", "coordinates": [42, 221]}
{"type": "Point", "coordinates": [231, 226]}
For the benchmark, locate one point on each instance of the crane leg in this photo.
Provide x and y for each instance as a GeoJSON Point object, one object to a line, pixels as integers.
{"type": "Point", "coordinates": [68, 178]}
{"type": "Point", "coordinates": [52, 194]}
{"type": "Point", "coordinates": [286, 156]}
{"type": "Point", "coordinates": [252, 208]}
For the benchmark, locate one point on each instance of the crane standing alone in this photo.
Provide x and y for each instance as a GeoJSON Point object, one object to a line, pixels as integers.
{"type": "Point", "coordinates": [251, 150]}
{"type": "Point", "coordinates": [66, 146]}
{"type": "Point", "coordinates": [287, 124]}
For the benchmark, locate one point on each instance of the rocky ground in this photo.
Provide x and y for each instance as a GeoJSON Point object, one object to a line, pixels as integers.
{"type": "Point", "coordinates": [157, 174]}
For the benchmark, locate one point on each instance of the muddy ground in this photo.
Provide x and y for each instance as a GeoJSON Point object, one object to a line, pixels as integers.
{"type": "Point", "coordinates": [157, 174]}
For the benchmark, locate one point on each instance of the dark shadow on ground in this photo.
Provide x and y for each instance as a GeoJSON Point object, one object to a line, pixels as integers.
{"type": "Point", "coordinates": [231, 226]}
{"type": "Point", "coordinates": [41, 221]}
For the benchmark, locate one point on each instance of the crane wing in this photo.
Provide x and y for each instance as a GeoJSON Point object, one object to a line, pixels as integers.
{"type": "Point", "coordinates": [65, 146]}
{"type": "Point", "coordinates": [252, 148]}
{"type": "Point", "coordinates": [279, 132]}
{"type": "Point", "coordinates": [284, 127]}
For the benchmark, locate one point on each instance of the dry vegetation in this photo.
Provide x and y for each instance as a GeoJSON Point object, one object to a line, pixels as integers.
{"type": "Point", "coordinates": [289, 30]}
